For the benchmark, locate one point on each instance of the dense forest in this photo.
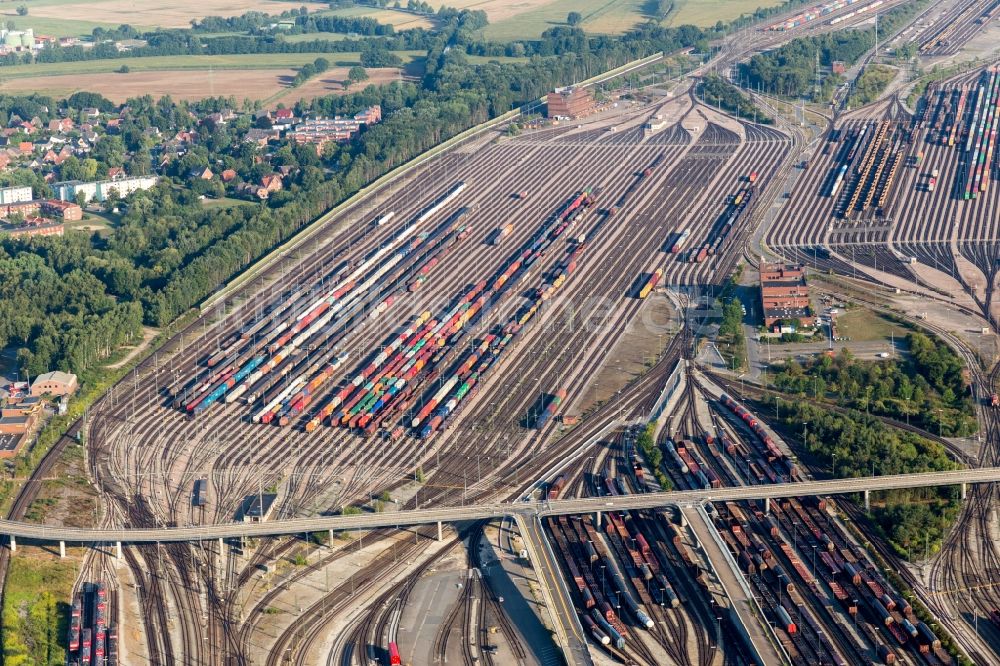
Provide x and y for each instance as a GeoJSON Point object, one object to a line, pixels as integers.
{"type": "Point", "coordinates": [926, 387]}
{"type": "Point", "coordinates": [857, 444]}
{"type": "Point", "coordinates": [68, 302]}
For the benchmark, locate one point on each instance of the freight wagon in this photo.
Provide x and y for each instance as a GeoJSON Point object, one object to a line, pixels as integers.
{"type": "Point", "coordinates": [786, 620]}
{"type": "Point", "coordinates": [550, 409]}
{"type": "Point", "coordinates": [556, 487]}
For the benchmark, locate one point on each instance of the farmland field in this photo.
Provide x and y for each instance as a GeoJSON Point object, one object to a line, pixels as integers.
{"type": "Point", "coordinates": [163, 13]}
{"type": "Point", "coordinates": [191, 62]}
{"type": "Point", "coordinates": [514, 19]}
{"type": "Point", "coordinates": [705, 13]}
{"type": "Point", "coordinates": [269, 85]}
{"type": "Point", "coordinates": [530, 18]}
{"type": "Point", "coordinates": [399, 20]}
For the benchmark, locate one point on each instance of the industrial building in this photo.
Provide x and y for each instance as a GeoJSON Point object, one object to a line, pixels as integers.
{"type": "Point", "coordinates": [569, 103]}
{"type": "Point", "coordinates": [784, 296]}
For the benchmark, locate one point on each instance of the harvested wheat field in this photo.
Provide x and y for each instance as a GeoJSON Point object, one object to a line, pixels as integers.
{"type": "Point", "coordinates": [164, 13]}
{"type": "Point", "coordinates": [331, 81]}
{"type": "Point", "coordinates": [270, 85]}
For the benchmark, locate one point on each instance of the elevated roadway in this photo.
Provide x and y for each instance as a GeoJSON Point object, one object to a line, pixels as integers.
{"type": "Point", "coordinates": [50, 534]}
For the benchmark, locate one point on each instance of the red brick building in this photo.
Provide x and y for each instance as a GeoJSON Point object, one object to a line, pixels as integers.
{"type": "Point", "coordinates": [784, 296]}
{"type": "Point", "coordinates": [33, 227]}
{"type": "Point", "coordinates": [66, 210]}
{"type": "Point", "coordinates": [569, 103]}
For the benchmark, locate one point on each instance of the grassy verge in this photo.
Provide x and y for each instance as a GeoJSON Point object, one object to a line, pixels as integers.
{"type": "Point", "coordinates": [717, 92]}
{"type": "Point", "coordinates": [647, 444]}
{"type": "Point", "coordinates": [36, 609]}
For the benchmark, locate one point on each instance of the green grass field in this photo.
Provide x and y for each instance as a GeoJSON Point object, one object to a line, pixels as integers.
{"type": "Point", "coordinates": [57, 27]}
{"type": "Point", "coordinates": [191, 62]}
{"type": "Point", "coordinates": [861, 325]}
{"type": "Point", "coordinates": [35, 608]}
{"type": "Point", "coordinates": [599, 16]}
{"type": "Point", "coordinates": [705, 13]}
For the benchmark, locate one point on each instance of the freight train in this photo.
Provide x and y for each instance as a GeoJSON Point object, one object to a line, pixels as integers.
{"type": "Point", "coordinates": [739, 207]}
{"type": "Point", "coordinates": [820, 11]}
{"type": "Point", "coordinates": [245, 363]}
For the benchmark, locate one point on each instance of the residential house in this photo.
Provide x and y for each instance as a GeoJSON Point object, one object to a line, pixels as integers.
{"type": "Point", "coordinates": [60, 125]}
{"type": "Point", "coordinates": [202, 173]}
{"type": "Point", "coordinates": [268, 184]}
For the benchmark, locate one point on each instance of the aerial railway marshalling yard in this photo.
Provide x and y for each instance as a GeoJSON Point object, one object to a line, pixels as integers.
{"type": "Point", "coordinates": [658, 185]}
{"type": "Point", "coordinates": [913, 197]}
{"type": "Point", "coordinates": [448, 340]}
{"type": "Point", "coordinates": [518, 322]}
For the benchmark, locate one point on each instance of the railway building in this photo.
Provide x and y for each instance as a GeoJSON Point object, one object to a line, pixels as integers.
{"type": "Point", "coordinates": [54, 383]}
{"type": "Point", "coordinates": [784, 295]}
{"type": "Point", "coordinates": [569, 103]}
{"type": "Point", "coordinates": [257, 507]}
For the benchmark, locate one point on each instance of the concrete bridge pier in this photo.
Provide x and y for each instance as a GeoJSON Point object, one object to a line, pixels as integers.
{"type": "Point", "coordinates": [13, 544]}
{"type": "Point", "coordinates": [440, 531]}
{"type": "Point", "coordinates": [62, 550]}
{"type": "Point", "coordinates": [868, 500]}
{"type": "Point", "coordinates": [118, 550]}
{"type": "Point", "coordinates": [330, 542]}
{"type": "Point", "coordinates": [767, 506]}
{"type": "Point", "coordinates": [597, 518]}
{"type": "Point", "coordinates": [965, 489]}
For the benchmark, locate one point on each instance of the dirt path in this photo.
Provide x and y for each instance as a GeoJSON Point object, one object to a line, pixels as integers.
{"type": "Point", "coordinates": [147, 335]}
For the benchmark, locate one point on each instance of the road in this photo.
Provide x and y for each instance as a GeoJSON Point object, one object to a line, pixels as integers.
{"type": "Point", "coordinates": [47, 533]}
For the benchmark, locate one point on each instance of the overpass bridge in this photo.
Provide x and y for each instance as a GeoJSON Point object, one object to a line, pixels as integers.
{"type": "Point", "coordinates": [541, 508]}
